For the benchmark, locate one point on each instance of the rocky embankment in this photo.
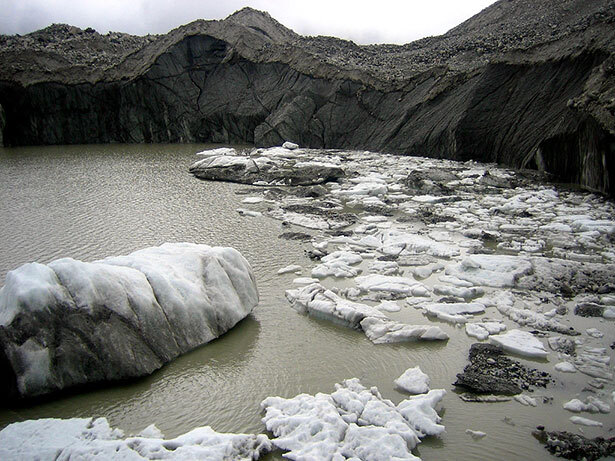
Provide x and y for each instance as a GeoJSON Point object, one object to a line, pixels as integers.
{"type": "Point", "coordinates": [525, 83]}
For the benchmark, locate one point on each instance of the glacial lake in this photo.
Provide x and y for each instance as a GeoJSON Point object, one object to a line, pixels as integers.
{"type": "Point", "coordinates": [90, 202]}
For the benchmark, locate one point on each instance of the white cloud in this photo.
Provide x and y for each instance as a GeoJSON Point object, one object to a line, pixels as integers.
{"type": "Point", "coordinates": [383, 21]}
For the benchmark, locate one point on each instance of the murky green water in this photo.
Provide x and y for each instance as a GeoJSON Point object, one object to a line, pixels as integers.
{"type": "Point", "coordinates": [89, 202]}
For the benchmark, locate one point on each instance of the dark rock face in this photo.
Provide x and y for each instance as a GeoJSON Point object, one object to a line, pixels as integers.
{"type": "Point", "coordinates": [527, 83]}
{"type": "Point", "coordinates": [491, 372]}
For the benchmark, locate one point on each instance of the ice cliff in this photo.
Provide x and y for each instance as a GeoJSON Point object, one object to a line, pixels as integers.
{"type": "Point", "coordinates": [525, 83]}
{"type": "Point", "coordinates": [70, 323]}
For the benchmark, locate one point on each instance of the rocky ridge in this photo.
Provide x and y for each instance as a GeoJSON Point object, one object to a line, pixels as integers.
{"type": "Point", "coordinates": [525, 83]}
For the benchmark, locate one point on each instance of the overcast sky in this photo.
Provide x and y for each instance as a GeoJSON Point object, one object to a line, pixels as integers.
{"type": "Point", "coordinates": [374, 21]}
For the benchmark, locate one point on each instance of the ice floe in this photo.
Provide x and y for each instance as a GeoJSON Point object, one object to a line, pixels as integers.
{"type": "Point", "coordinates": [414, 381]}
{"type": "Point", "coordinates": [459, 292]}
{"type": "Point", "coordinates": [381, 331]}
{"type": "Point", "coordinates": [89, 438]}
{"type": "Point", "coordinates": [585, 421]}
{"type": "Point", "coordinates": [591, 405]}
{"type": "Point", "coordinates": [565, 367]}
{"type": "Point", "coordinates": [476, 435]}
{"type": "Point", "coordinates": [320, 302]}
{"type": "Point", "coordinates": [526, 400]}
{"type": "Point", "coordinates": [453, 312]}
{"type": "Point", "coordinates": [520, 342]}
{"type": "Point", "coordinates": [391, 285]}
{"type": "Point", "coordinates": [457, 240]}
{"type": "Point", "coordinates": [294, 268]}
{"type": "Point", "coordinates": [338, 264]}
{"type": "Point", "coordinates": [482, 330]}
{"type": "Point", "coordinates": [351, 423]}
{"type": "Point", "coordinates": [497, 271]}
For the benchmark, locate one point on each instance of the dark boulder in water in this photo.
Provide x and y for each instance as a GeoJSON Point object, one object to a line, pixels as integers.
{"type": "Point", "coordinates": [492, 372]}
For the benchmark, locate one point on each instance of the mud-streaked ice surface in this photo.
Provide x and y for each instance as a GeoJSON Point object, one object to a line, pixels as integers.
{"type": "Point", "coordinates": [399, 265]}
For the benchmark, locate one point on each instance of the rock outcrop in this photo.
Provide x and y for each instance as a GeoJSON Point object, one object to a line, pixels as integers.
{"type": "Point", "coordinates": [70, 323]}
{"type": "Point", "coordinates": [526, 83]}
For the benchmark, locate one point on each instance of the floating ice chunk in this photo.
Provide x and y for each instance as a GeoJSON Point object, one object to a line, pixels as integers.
{"type": "Point", "coordinates": [295, 268]}
{"type": "Point", "coordinates": [425, 271]}
{"type": "Point", "coordinates": [534, 319]}
{"type": "Point", "coordinates": [217, 152]}
{"type": "Point", "coordinates": [576, 406]}
{"type": "Point", "coordinates": [373, 443]}
{"type": "Point", "coordinates": [476, 435]}
{"type": "Point", "coordinates": [250, 213]}
{"type": "Point", "coordinates": [431, 198]}
{"type": "Point", "coordinates": [594, 332]}
{"type": "Point", "coordinates": [459, 292]}
{"type": "Point", "coordinates": [252, 200]}
{"type": "Point", "coordinates": [153, 304]}
{"type": "Point", "coordinates": [368, 188]}
{"type": "Point", "coordinates": [414, 381]}
{"type": "Point", "coordinates": [337, 264]}
{"type": "Point", "coordinates": [316, 300]}
{"type": "Point", "coordinates": [591, 405]}
{"type": "Point", "coordinates": [520, 342]}
{"type": "Point", "coordinates": [453, 312]}
{"type": "Point", "coordinates": [526, 400]}
{"type": "Point", "coordinates": [151, 432]}
{"type": "Point", "coordinates": [455, 281]}
{"type": "Point", "coordinates": [290, 145]}
{"type": "Point", "coordinates": [334, 269]}
{"type": "Point", "coordinates": [594, 362]}
{"type": "Point", "coordinates": [347, 257]}
{"type": "Point", "coordinates": [388, 306]}
{"type": "Point", "coordinates": [556, 227]}
{"type": "Point", "coordinates": [496, 271]}
{"type": "Point", "coordinates": [482, 330]}
{"type": "Point", "coordinates": [420, 411]}
{"type": "Point", "coordinates": [609, 313]}
{"type": "Point", "coordinates": [397, 242]}
{"type": "Point", "coordinates": [602, 226]}
{"type": "Point", "coordinates": [382, 330]}
{"type": "Point", "coordinates": [309, 427]}
{"type": "Point", "coordinates": [352, 423]}
{"type": "Point", "coordinates": [304, 281]}
{"type": "Point", "coordinates": [310, 221]}
{"type": "Point", "coordinates": [88, 438]}
{"type": "Point", "coordinates": [585, 421]}
{"type": "Point", "coordinates": [565, 367]}
{"type": "Point", "coordinates": [384, 267]}
{"type": "Point", "coordinates": [395, 285]}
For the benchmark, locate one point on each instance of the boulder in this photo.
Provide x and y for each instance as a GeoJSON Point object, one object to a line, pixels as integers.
{"type": "Point", "coordinates": [70, 323]}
